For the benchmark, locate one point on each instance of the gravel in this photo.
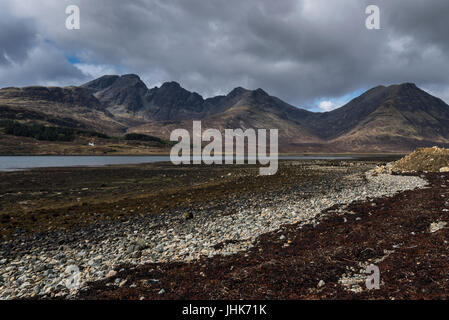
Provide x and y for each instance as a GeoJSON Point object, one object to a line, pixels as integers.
{"type": "Point", "coordinates": [36, 267]}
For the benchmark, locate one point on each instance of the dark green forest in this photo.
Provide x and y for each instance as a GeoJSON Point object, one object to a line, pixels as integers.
{"type": "Point", "coordinates": [45, 133]}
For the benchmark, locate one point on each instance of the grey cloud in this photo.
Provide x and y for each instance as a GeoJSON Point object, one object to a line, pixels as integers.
{"type": "Point", "coordinates": [45, 65]}
{"type": "Point", "coordinates": [27, 57]}
{"type": "Point", "coordinates": [17, 36]}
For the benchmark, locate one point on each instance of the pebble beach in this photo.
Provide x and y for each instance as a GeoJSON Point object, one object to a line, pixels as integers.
{"type": "Point", "coordinates": [61, 263]}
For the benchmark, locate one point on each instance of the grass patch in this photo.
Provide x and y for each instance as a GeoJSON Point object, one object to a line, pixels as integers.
{"type": "Point", "coordinates": [144, 137]}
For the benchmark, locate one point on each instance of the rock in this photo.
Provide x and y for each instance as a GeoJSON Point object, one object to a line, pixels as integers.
{"type": "Point", "coordinates": [131, 249]}
{"type": "Point", "coordinates": [111, 273]}
{"type": "Point", "coordinates": [188, 215]}
{"type": "Point", "coordinates": [141, 244]}
{"type": "Point", "coordinates": [379, 170]}
{"type": "Point", "coordinates": [444, 169]}
{"type": "Point", "coordinates": [436, 226]}
{"type": "Point", "coordinates": [122, 283]}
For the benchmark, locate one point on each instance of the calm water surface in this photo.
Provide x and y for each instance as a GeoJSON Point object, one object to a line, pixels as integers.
{"type": "Point", "coordinates": [11, 163]}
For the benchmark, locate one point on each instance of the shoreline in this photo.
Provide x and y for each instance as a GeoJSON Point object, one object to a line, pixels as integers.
{"type": "Point", "coordinates": [224, 225]}
{"type": "Point", "coordinates": [367, 154]}
{"type": "Point", "coordinates": [399, 234]}
{"type": "Point", "coordinates": [4, 167]}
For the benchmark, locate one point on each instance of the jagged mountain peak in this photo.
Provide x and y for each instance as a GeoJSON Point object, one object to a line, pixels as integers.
{"type": "Point", "coordinates": [238, 91]}
{"type": "Point", "coordinates": [129, 80]}
{"type": "Point", "coordinates": [243, 92]}
{"type": "Point", "coordinates": [396, 117]}
{"type": "Point", "coordinates": [408, 85]}
{"type": "Point", "coordinates": [130, 76]}
{"type": "Point", "coordinates": [101, 83]}
{"type": "Point", "coordinates": [119, 93]}
{"type": "Point", "coordinates": [171, 85]}
{"type": "Point", "coordinates": [174, 88]}
{"type": "Point", "coordinates": [107, 81]}
{"type": "Point", "coordinates": [260, 91]}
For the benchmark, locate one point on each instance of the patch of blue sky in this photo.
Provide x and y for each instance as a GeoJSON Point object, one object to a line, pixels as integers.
{"type": "Point", "coordinates": [325, 104]}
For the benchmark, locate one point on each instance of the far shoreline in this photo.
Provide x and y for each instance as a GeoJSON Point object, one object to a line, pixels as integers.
{"type": "Point", "coordinates": [14, 163]}
{"type": "Point", "coordinates": [318, 154]}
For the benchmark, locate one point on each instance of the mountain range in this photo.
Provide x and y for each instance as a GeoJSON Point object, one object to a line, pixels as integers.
{"type": "Point", "coordinates": [395, 118]}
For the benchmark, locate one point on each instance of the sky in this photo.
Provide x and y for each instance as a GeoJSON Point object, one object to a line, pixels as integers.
{"type": "Point", "coordinates": [314, 54]}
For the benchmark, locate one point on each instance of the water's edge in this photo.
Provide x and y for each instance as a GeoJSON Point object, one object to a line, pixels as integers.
{"type": "Point", "coordinates": [13, 163]}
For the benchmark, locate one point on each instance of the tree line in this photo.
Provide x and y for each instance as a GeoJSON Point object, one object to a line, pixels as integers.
{"type": "Point", "coordinates": [45, 133]}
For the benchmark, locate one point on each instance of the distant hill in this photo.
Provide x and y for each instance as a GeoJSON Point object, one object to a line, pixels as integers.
{"type": "Point", "coordinates": [397, 118]}
{"type": "Point", "coordinates": [72, 107]}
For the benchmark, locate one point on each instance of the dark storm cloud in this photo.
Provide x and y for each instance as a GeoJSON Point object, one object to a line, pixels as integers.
{"type": "Point", "coordinates": [300, 51]}
{"type": "Point", "coordinates": [17, 35]}
{"type": "Point", "coordinates": [27, 58]}
{"type": "Point", "coordinates": [45, 65]}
